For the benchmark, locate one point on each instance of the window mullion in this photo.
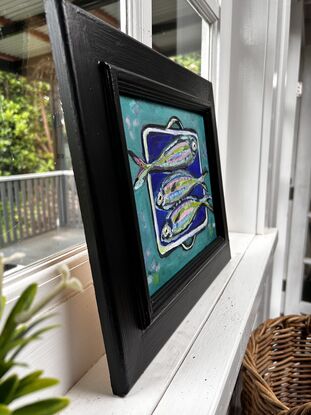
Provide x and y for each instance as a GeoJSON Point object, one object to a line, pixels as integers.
{"type": "Point", "coordinates": [205, 51]}
{"type": "Point", "coordinates": [136, 19]}
{"type": "Point", "coordinates": [209, 10]}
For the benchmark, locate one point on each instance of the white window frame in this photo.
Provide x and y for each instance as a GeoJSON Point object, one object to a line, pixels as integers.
{"type": "Point", "coordinates": [136, 19]}
{"type": "Point", "coordinates": [209, 11]}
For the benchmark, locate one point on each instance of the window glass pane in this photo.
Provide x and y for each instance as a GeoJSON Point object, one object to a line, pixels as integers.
{"type": "Point", "coordinates": [39, 207]}
{"type": "Point", "coordinates": [176, 32]}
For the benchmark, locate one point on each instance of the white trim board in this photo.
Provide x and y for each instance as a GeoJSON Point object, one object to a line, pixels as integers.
{"type": "Point", "coordinates": [209, 344]}
{"type": "Point", "coordinates": [69, 351]}
{"type": "Point", "coordinates": [300, 216]}
{"type": "Point", "coordinates": [283, 207]}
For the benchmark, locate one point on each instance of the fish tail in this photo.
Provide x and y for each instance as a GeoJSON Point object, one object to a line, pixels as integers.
{"type": "Point", "coordinates": [204, 175]}
{"type": "Point", "coordinates": [207, 201]}
{"type": "Point", "coordinates": [202, 180]}
{"type": "Point", "coordinates": [143, 172]}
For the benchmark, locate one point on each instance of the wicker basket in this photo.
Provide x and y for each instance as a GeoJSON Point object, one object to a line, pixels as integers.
{"type": "Point", "coordinates": [277, 368]}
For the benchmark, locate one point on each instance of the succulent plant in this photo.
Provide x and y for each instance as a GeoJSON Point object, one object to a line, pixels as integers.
{"type": "Point", "coordinates": [22, 327]}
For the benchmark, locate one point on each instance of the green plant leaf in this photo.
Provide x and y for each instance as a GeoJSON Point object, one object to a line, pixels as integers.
{"type": "Point", "coordinates": [8, 388]}
{"type": "Point", "coordinates": [45, 407]}
{"type": "Point", "coordinates": [22, 304]}
{"type": "Point", "coordinates": [35, 336]}
{"type": "Point", "coordinates": [13, 344]}
{"type": "Point", "coordinates": [26, 329]}
{"type": "Point", "coordinates": [4, 410]}
{"type": "Point", "coordinates": [2, 306]}
{"type": "Point", "coordinates": [5, 367]}
{"type": "Point", "coordinates": [26, 380]}
{"type": "Point", "coordinates": [30, 378]}
{"type": "Point", "coordinates": [34, 386]}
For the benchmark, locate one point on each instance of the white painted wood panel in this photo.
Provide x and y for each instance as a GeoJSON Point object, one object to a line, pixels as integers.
{"type": "Point", "coordinates": [93, 391]}
{"type": "Point", "coordinates": [241, 107]}
{"type": "Point", "coordinates": [228, 308]}
{"type": "Point", "coordinates": [205, 381]}
{"type": "Point", "coordinates": [269, 111]}
{"type": "Point", "coordinates": [69, 351]}
{"type": "Point", "coordinates": [287, 148]}
{"type": "Point", "coordinates": [300, 217]}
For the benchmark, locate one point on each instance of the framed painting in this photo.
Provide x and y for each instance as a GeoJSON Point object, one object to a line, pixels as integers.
{"type": "Point", "coordinates": [143, 140]}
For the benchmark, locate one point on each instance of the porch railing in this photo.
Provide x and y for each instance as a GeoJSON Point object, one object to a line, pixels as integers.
{"type": "Point", "coordinates": [31, 204]}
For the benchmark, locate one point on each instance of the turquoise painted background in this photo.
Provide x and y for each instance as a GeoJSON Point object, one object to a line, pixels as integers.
{"type": "Point", "coordinates": [136, 115]}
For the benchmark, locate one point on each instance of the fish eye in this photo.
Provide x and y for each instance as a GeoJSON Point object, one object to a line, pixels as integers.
{"type": "Point", "coordinates": [166, 231]}
{"type": "Point", "coordinates": [160, 199]}
{"type": "Point", "coordinates": [194, 146]}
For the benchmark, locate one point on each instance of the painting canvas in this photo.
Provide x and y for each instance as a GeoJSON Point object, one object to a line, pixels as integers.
{"type": "Point", "coordinates": [171, 182]}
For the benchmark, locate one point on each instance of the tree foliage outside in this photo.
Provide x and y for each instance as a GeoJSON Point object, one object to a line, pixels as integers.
{"type": "Point", "coordinates": [191, 61]}
{"type": "Point", "coordinates": [26, 144]}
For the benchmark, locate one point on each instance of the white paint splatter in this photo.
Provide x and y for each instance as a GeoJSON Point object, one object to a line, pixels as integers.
{"type": "Point", "coordinates": [128, 121]}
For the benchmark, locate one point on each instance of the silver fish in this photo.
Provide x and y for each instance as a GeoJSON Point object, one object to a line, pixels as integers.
{"type": "Point", "coordinates": [177, 155]}
{"type": "Point", "coordinates": [181, 217]}
{"type": "Point", "coordinates": [175, 187]}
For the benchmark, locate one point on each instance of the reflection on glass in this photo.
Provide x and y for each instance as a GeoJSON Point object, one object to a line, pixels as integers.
{"type": "Point", "coordinates": [39, 207]}
{"type": "Point", "coordinates": [176, 32]}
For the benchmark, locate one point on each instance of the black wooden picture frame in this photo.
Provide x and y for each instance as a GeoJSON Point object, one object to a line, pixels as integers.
{"type": "Point", "coordinates": [95, 64]}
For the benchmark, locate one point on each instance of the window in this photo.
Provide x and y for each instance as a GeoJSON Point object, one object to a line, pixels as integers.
{"type": "Point", "coordinates": [177, 32]}
{"type": "Point", "coordinates": [39, 207]}
{"type": "Point", "coordinates": [186, 32]}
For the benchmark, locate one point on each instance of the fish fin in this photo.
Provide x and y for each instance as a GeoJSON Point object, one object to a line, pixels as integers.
{"type": "Point", "coordinates": [174, 187]}
{"type": "Point", "coordinates": [204, 185]}
{"type": "Point", "coordinates": [143, 172]}
{"type": "Point", "coordinates": [201, 180]}
{"type": "Point", "coordinates": [204, 175]}
{"type": "Point", "coordinates": [191, 243]}
{"type": "Point", "coordinates": [139, 161]}
{"type": "Point", "coordinates": [178, 216]}
{"type": "Point", "coordinates": [206, 202]}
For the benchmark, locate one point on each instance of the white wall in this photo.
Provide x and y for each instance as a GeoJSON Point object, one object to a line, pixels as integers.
{"type": "Point", "coordinates": [248, 44]}
{"type": "Point", "coordinates": [259, 70]}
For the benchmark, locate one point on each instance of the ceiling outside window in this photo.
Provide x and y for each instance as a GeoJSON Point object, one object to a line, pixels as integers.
{"type": "Point", "coordinates": [24, 33]}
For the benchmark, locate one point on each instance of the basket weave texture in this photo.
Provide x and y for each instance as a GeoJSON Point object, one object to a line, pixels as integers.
{"type": "Point", "coordinates": [277, 368]}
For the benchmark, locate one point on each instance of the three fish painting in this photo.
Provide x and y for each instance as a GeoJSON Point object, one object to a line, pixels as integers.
{"type": "Point", "coordinates": [179, 211]}
{"type": "Point", "coordinates": [180, 153]}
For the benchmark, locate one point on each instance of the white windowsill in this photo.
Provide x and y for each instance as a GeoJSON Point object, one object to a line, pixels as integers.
{"type": "Point", "coordinates": [45, 273]}
{"type": "Point", "coordinates": [196, 370]}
